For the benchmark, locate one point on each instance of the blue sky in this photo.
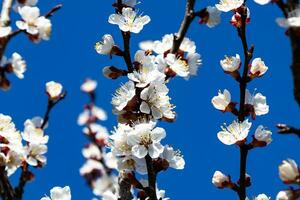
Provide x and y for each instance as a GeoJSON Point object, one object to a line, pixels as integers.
{"type": "Point", "coordinates": [69, 58]}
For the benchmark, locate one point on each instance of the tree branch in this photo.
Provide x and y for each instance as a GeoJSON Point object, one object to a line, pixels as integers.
{"type": "Point", "coordinates": [25, 174]}
{"type": "Point", "coordinates": [126, 41]}
{"type": "Point", "coordinates": [285, 129]}
{"type": "Point", "coordinates": [241, 116]}
{"type": "Point", "coordinates": [151, 178]}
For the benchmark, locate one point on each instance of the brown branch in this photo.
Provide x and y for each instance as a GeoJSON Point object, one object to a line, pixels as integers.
{"type": "Point", "coordinates": [7, 187]}
{"type": "Point", "coordinates": [286, 129]}
{"type": "Point", "coordinates": [189, 16]}
{"type": "Point", "coordinates": [125, 187]}
{"type": "Point", "coordinates": [151, 178]}
{"type": "Point", "coordinates": [295, 46]}
{"type": "Point", "coordinates": [244, 148]}
{"type": "Point", "coordinates": [25, 174]}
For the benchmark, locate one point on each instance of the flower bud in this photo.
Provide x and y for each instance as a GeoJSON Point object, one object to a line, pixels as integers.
{"type": "Point", "coordinates": [258, 68]}
{"type": "Point", "coordinates": [231, 64]}
{"type": "Point", "coordinates": [288, 171]}
{"type": "Point", "coordinates": [262, 137]}
{"type": "Point", "coordinates": [222, 101]}
{"type": "Point", "coordinates": [53, 89]}
{"type": "Point", "coordinates": [262, 197]}
{"type": "Point", "coordinates": [285, 195]}
{"type": "Point", "coordinates": [112, 72]}
{"type": "Point", "coordinates": [220, 180]}
{"type": "Point", "coordinates": [88, 86]}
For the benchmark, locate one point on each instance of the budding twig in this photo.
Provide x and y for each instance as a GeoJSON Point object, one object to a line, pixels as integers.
{"type": "Point", "coordinates": [25, 174]}
{"type": "Point", "coordinates": [286, 129]}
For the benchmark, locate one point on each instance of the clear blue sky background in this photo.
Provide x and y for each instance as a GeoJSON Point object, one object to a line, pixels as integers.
{"type": "Point", "coordinates": [69, 57]}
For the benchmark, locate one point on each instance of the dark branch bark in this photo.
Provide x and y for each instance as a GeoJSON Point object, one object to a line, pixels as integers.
{"type": "Point", "coordinates": [125, 188]}
{"type": "Point", "coordinates": [241, 116]}
{"type": "Point", "coordinates": [285, 129]}
{"type": "Point", "coordinates": [126, 41]}
{"type": "Point", "coordinates": [295, 45]}
{"type": "Point", "coordinates": [151, 178]}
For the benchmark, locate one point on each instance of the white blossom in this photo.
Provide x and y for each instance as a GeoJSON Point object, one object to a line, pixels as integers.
{"type": "Point", "coordinates": [228, 5]}
{"type": "Point", "coordinates": [58, 193]}
{"type": "Point", "coordinates": [119, 138]}
{"type": "Point", "coordinates": [157, 102]}
{"type": "Point", "coordinates": [105, 46]}
{"type": "Point", "coordinates": [214, 16]}
{"type": "Point", "coordinates": [262, 197]}
{"type": "Point", "coordinates": [123, 95]}
{"type": "Point", "coordinates": [88, 86]}
{"type": "Point", "coordinates": [91, 151]}
{"type": "Point", "coordinates": [101, 133]}
{"type": "Point", "coordinates": [262, 2]}
{"type": "Point", "coordinates": [235, 132]}
{"type": "Point", "coordinates": [289, 171]}
{"type": "Point", "coordinates": [145, 139]}
{"type": "Point", "coordinates": [33, 23]}
{"type": "Point", "coordinates": [231, 64]}
{"type": "Point", "coordinates": [262, 134]}
{"type": "Point", "coordinates": [35, 154]}
{"type": "Point", "coordinates": [148, 72]}
{"type": "Point", "coordinates": [219, 179]}
{"type": "Point", "coordinates": [292, 21]}
{"type": "Point", "coordinates": [18, 65]}
{"type": "Point", "coordinates": [178, 65]}
{"type": "Point", "coordinates": [160, 47]}
{"type": "Point", "coordinates": [258, 67]}
{"type": "Point", "coordinates": [5, 31]}
{"type": "Point", "coordinates": [129, 21]}
{"type": "Point", "coordinates": [258, 101]}
{"type": "Point", "coordinates": [221, 101]}
{"type": "Point", "coordinates": [285, 195]}
{"type": "Point", "coordinates": [54, 89]}
{"type": "Point", "coordinates": [104, 183]}
{"type": "Point", "coordinates": [194, 61]}
{"type": "Point", "coordinates": [33, 133]}
{"type": "Point", "coordinates": [89, 166]}
{"type": "Point", "coordinates": [174, 158]}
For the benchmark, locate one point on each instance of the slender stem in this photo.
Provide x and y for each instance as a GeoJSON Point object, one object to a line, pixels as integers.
{"type": "Point", "coordinates": [25, 177]}
{"type": "Point", "coordinates": [285, 129]}
{"type": "Point", "coordinates": [151, 178]}
{"type": "Point", "coordinates": [241, 115]}
{"type": "Point", "coordinates": [187, 20]}
{"type": "Point", "coordinates": [126, 41]}
{"type": "Point", "coordinates": [8, 189]}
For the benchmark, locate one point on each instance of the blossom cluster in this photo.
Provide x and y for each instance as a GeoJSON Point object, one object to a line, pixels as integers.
{"type": "Point", "coordinates": [27, 147]}
{"type": "Point", "coordinates": [32, 23]}
{"type": "Point", "coordinates": [140, 103]}
{"type": "Point", "coordinates": [99, 167]}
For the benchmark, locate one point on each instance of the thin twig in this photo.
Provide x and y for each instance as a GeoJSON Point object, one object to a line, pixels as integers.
{"type": "Point", "coordinates": [286, 129]}
{"type": "Point", "coordinates": [24, 177]}
{"type": "Point", "coordinates": [241, 116]}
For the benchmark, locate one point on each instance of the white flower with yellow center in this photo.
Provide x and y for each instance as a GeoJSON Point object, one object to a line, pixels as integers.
{"type": "Point", "coordinates": [129, 21]}
{"type": "Point", "coordinates": [145, 139]}
{"type": "Point", "coordinates": [54, 89]}
{"type": "Point", "coordinates": [235, 132]}
{"type": "Point", "coordinates": [228, 5]}
{"type": "Point", "coordinates": [123, 95]}
{"type": "Point", "coordinates": [157, 102]}
{"type": "Point", "coordinates": [231, 63]}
